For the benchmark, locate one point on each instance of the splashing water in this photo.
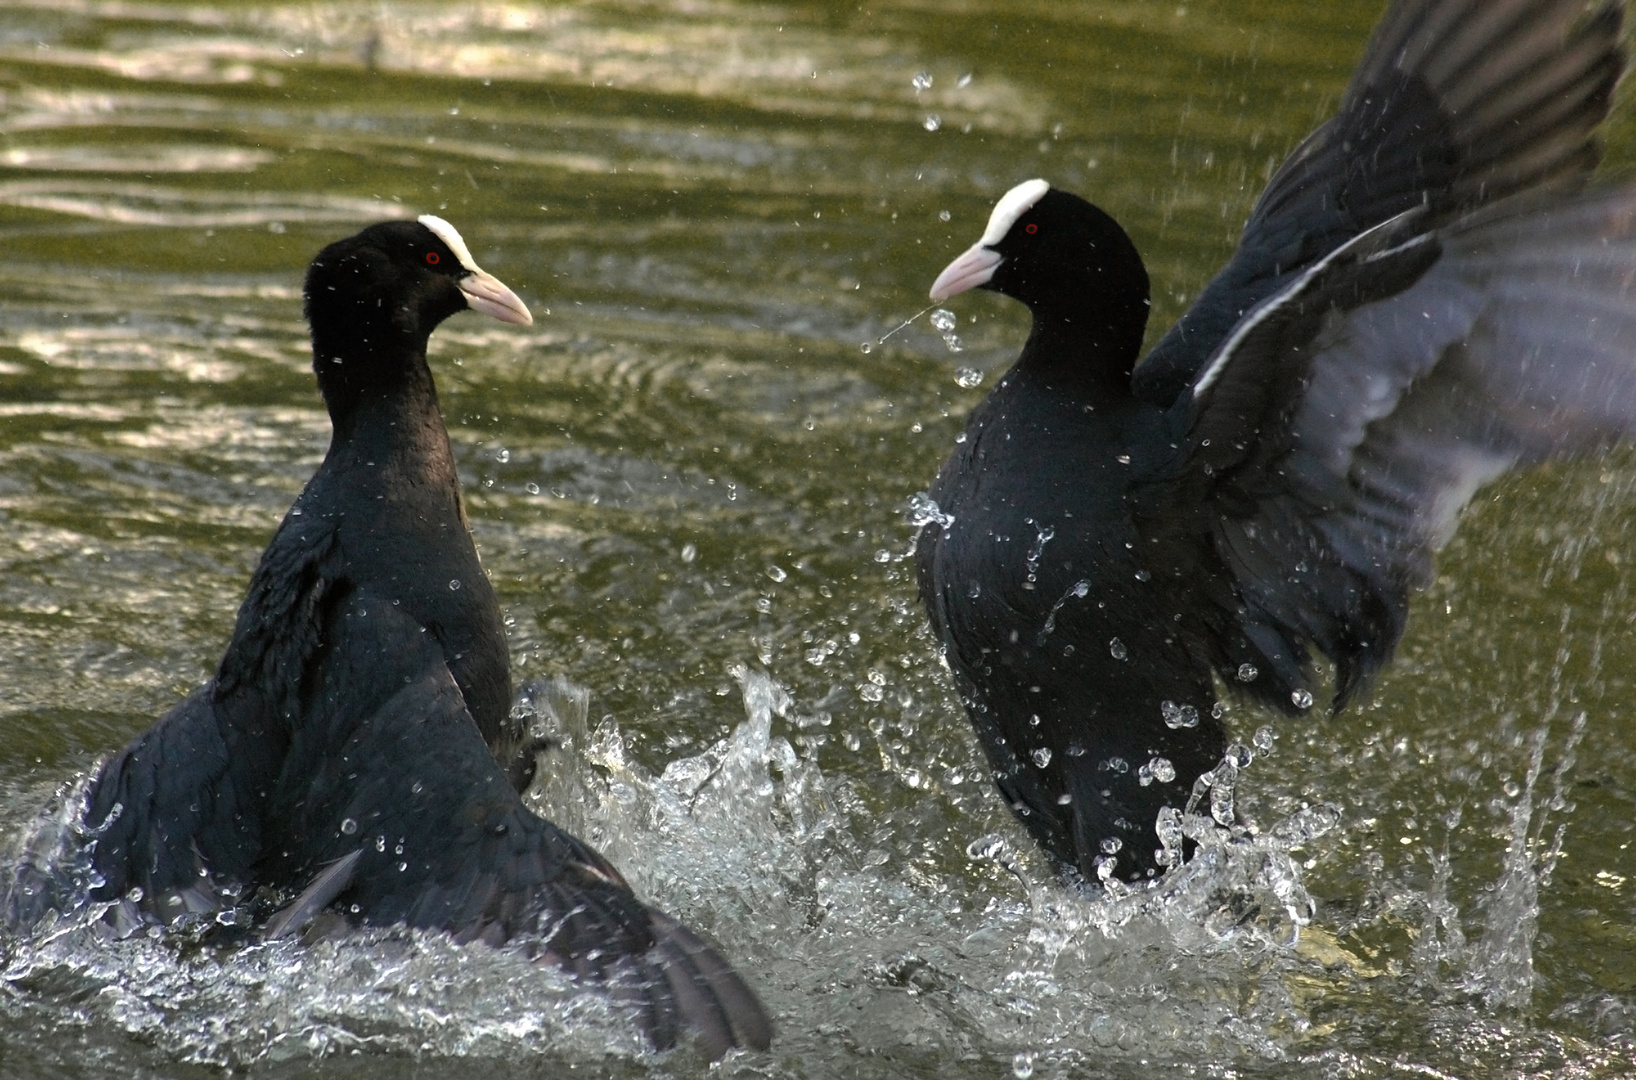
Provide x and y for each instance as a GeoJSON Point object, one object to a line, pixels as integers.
{"type": "Point", "coordinates": [1043, 534]}
{"type": "Point", "coordinates": [792, 872]}
{"type": "Point", "coordinates": [1078, 590]}
{"type": "Point", "coordinates": [923, 510]}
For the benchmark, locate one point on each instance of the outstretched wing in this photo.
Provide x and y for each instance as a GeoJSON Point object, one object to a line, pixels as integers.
{"type": "Point", "coordinates": [1456, 103]}
{"type": "Point", "coordinates": [1333, 439]}
{"type": "Point", "coordinates": [396, 779]}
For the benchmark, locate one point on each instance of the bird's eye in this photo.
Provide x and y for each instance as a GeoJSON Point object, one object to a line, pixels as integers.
{"type": "Point", "coordinates": [432, 258]}
{"type": "Point", "coordinates": [1031, 228]}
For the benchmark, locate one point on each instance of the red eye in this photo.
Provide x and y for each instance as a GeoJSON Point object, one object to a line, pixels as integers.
{"type": "Point", "coordinates": [432, 258]}
{"type": "Point", "coordinates": [1031, 228]}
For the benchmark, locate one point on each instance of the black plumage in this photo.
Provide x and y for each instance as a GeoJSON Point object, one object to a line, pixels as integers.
{"type": "Point", "coordinates": [1425, 297]}
{"type": "Point", "coordinates": [341, 755]}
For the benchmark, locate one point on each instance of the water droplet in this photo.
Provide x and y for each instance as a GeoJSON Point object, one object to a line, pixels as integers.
{"type": "Point", "coordinates": [867, 347]}
{"type": "Point", "coordinates": [953, 343]}
{"type": "Point", "coordinates": [1263, 738]}
{"type": "Point", "coordinates": [963, 81]}
{"type": "Point", "coordinates": [943, 215]}
{"type": "Point", "coordinates": [1123, 459]}
{"type": "Point", "coordinates": [1179, 716]}
{"type": "Point", "coordinates": [1116, 649]}
{"type": "Point", "coordinates": [968, 377]}
{"type": "Point", "coordinates": [1143, 575]}
{"type": "Point", "coordinates": [923, 510]}
{"type": "Point", "coordinates": [1022, 1065]}
{"type": "Point", "coordinates": [503, 456]}
{"type": "Point", "coordinates": [532, 488]}
{"type": "Point", "coordinates": [776, 573]}
{"type": "Point", "coordinates": [135, 895]}
{"type": "Point", "coordinates": [921, 81]}
{"type": "Point", "coordinates": [1238, 756]}
{"type": "Point", "coordinates": [1247, 673]}
{"type": "Point", "coordinates": [1111, 845]}
{"type": "Point", "coordinates": [1302, 699]}
{"type": "Point", "coordinates": [1162, 770]}
{"type": "Point", "coordinates": [349, 826]}
{"type": "Point", "coordinates": [417, 787]}
{"type": "Point", "coordinates": [380, 843]}
{"type": "Point", "coordinates": [883, 556]}
{"type": "Point", "coordinates": [932, 122]}
{"type": "Point", "coordinates": [943, 319]}
{"type": "Point", "coordinates": [689, 553]}
{"type": "Point", "coordinates": [454, 584]}
{"type": "Point", "coordinates": [1042, 756]}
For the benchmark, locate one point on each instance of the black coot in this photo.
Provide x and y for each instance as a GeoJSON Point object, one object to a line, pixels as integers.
{"type": "Point", "coordinates": [341, 752]}
{"type": "Point", "coordinates": [1424, 297]}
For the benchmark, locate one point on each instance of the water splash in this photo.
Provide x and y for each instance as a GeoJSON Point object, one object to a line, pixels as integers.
{"type": "Point", "coordinates": [923, 511]}
{"type": "Point", "coordinates": [1043, 534]}
{"type": "Point", "coordinates": [1079, 590]}
{"type": "Point", "coordinates": [793, 871]}
{"type": "Point", "coordinates": [1501, 967]}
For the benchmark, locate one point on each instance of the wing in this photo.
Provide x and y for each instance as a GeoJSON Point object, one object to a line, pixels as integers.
{"type": "Point", "coordinates": [1456, 103]}
{"type": "Point", "coordinates": [176, 816]}
{"type": "Point", "coordinates": [1334, 438]}
{"type": "Point", "coordinates": [158, 830]}
{"type": "Point", "coordinates": [389, 771]}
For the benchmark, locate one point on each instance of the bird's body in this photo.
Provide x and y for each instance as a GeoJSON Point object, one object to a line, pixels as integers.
{"type": "Point", "coordinates": [340, 760]}
{"type": "Point", "coordinates": [1422, 299]}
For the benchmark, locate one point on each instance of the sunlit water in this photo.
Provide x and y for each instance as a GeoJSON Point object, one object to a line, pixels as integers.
{"type": "Point", "coordinates": [690, 482]}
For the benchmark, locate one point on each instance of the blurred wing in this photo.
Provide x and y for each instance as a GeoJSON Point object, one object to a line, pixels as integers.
{"type": "Point", "coordinates": [1338, 433]}
{"type": "Point", "coordinates": [1456, 103]}
{"type": "Point", "coordinates": [405, 787]}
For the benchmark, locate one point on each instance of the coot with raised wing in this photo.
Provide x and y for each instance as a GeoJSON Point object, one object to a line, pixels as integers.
{"type": "Point", "coordinates": [1425, 297]}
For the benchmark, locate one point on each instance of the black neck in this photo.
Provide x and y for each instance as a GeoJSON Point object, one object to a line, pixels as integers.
{"type": "Point", "coordinates": [1087, 347]}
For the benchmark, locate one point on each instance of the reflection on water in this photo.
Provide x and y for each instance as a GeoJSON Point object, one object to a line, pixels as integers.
{"type": "Point", "coordinates": [688, 472]}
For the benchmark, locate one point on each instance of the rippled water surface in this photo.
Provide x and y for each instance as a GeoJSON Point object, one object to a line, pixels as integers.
{"type": "Point", "coordinates": [688, 481]}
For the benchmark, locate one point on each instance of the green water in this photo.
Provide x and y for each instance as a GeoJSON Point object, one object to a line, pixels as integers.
{"type": "Point", "coordinates": [691, 462]}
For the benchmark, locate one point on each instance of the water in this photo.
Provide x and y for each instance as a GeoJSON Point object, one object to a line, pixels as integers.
{"type": "Point", "coordinates": [708, 208]}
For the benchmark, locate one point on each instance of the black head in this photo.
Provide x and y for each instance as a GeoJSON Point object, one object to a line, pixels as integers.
{"type": "Point", "coordinates": [374, 299]}
{"type": "Point", "coordinates": [1072, 264]}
